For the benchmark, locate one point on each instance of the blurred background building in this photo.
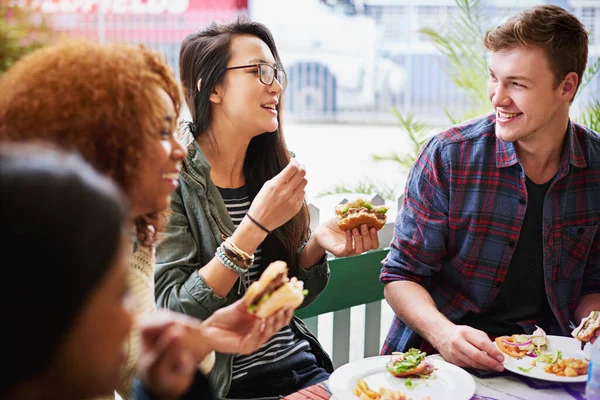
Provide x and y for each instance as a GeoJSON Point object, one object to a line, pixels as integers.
{"type": "Point", "coordinates": [347, 60]}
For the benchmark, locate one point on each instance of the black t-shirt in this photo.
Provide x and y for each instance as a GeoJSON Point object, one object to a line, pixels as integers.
{"type": "Point", "coordinates": [523, 294]}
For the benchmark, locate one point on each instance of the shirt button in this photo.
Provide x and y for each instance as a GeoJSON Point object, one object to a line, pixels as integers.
{"type": "Point", "coordinates": [512, 243]}
{"type": "Point", "coordinates": [522, 201]}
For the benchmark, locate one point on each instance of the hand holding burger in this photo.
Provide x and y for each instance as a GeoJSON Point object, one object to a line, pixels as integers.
{"type": "Point", "coordinates": [355, 213]}
{"type": "Point", "coordinates": [586, 331]}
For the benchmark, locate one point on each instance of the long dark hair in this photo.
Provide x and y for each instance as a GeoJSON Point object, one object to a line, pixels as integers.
{"type": "Point", "coordinates": [204, 55]}
{"type": "Point", "coordinates": [62, 225]}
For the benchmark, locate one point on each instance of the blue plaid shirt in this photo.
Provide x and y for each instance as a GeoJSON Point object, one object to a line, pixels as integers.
{"type": "Point", "coordinates": [464, 204]}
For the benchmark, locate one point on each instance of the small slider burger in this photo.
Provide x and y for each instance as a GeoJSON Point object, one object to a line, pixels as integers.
{"type": "Point", "coordinates": [587, 328]}
{"type": "Point", "coordinates": [411, 363]}
{"type": "Point", "coordinates": [274, 291]}
{"type": "Point", "coordinates": [355, 213]}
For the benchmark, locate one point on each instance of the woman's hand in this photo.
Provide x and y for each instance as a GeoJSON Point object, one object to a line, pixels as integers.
{"type": "Point", "coordinates": [280, 198]}
{"type": "Point", "coordinates": [172, 344]}
{"type": "Point", "coordinates": [167, 364]}
{"type": "Point", "coordinates": [233, 330]}
{"type": "Point", "coordinates": [349, 243]}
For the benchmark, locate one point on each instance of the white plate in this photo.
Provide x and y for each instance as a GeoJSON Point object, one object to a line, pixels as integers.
{"type": "Point", "coordinates": [570, 348]}
{"type": "Point", "coordinates": [447, 378]}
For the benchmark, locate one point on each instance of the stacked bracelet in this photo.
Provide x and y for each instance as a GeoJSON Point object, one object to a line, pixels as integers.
{"type": "Point", "coordinates": [228, 263]}
{"type": "Point", "coordinates": [236, 253]}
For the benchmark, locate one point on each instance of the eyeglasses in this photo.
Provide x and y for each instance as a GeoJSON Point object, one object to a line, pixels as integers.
{"type": "Point", "coordinates": [267, 73]}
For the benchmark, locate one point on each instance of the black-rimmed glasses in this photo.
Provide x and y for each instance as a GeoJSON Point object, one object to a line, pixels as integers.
{"type": "Point", "coordinates": [267, 73]}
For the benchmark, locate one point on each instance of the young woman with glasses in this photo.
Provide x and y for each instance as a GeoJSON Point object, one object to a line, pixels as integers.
{"type": "Point", "coordinates": [239, 188]}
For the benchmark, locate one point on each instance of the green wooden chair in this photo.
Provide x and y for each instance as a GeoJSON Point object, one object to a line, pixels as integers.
{"type": "Point", "coordinates": [354, 281]}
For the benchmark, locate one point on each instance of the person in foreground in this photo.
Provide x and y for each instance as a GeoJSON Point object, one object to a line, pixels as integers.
{"type": "Point", "coordinates": [116, 105]}
{"type": "Point", "coordinates": [240, 206]}
{"type": "Point", "coordinates": [500, 226]}
{"type": "Point", "coordinates": [69, 304]}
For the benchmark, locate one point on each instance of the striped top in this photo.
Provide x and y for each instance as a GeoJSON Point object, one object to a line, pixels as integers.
{"type": "Point", "coordinates": [284, 344]}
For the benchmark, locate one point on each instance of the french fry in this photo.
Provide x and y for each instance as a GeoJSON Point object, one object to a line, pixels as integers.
{"type": "Point", "coordinates": [362, 391]}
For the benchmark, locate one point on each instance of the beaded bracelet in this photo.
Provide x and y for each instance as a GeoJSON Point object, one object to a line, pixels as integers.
{"type": "Point", "coordinates": [228, 263]}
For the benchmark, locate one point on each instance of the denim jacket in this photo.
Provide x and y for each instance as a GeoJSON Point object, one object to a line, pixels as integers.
{"type": "Point", "coordinates": [196, 227]}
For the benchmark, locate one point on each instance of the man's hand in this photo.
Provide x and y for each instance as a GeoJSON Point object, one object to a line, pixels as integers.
{"type": "Point", "coordinates": [468, 347]}
{"type": "Point", "coordinates": [233, 330]}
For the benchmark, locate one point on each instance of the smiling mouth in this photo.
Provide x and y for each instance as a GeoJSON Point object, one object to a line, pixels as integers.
{"type": "Point", "coordinates": [270, 107]}
{"type": "Point", "coordinates": [505, 116]}
{"type": "Point", "coordinates": [172, 175]}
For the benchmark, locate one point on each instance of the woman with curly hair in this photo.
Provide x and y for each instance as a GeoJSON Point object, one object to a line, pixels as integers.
{"type": "Point", "coordinates": [117, 105]}
{"type": "Point", "coordinates": [240, 205]}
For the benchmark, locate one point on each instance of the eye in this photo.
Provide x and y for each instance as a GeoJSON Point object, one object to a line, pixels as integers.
{"type": "Point", "coordinates": [517, 84]}
{"type": "Point", "coordinates": [492, 77]}
{"type": "Point", "coordinates": [165, 134]}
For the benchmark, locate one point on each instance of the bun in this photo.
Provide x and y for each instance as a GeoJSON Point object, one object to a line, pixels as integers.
{"type": "Point", "coordinates": [273, 291]}
{"type": "Point", "coordinates": [355, 213]}
{"type": "Point", "coordinates": [355, 220]}
{"type": "Point", "coordinates": [288, 296]}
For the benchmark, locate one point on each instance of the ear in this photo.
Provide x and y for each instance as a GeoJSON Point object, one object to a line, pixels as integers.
{"type": "Point", "coordinates": [568, 86]}
{"type": "Point", "coordinates": [216, 94]}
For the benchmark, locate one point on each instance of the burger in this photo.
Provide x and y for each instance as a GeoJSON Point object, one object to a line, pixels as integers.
{"type": "Point", "coordinates": [274, 291]}
{"type": "Point", "coordinates": [586, 330]}
{"type": "Point", "coordinates": [355, 213]}
{"type": "Point", "coordinates": [410, 363]}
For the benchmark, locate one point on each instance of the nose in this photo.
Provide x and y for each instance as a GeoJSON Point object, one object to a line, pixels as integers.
{"type": "Point", "coordinates": [276, 87]}
{"type": "Point", "coordinates": [178, 152]}
{"type": "Point", "coordinates": [499, 96]}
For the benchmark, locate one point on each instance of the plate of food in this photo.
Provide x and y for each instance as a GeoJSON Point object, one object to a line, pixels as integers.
{"type": "Point", "coordinates": [546, 357]}
{"type": "Point", "coordinates": [401, 376]}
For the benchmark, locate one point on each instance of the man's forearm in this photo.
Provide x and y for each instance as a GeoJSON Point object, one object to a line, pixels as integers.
{"type": "Point", "coordinates": [414, 305]}
{"type": "Point", "coordinates": [587, 304]}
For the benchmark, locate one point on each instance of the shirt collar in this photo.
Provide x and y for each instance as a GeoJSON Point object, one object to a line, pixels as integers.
{"type": "Point", "coordinates": [572, 154]}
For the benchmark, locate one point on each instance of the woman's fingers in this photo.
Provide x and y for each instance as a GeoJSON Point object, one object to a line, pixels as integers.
{"type": "Point", "coordinates": [358, 243]}
{"type": "Point", "coordinates": [374, 238]}
{"type": "Point", "coordinates": [366, 237]}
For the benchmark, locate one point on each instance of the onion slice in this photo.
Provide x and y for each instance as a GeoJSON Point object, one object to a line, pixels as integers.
{"type": "Point", "coordinates": [516, 344]}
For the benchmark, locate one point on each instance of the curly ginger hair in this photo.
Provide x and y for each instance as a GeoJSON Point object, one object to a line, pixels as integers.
{"type": "Point", "coordinates": [97, 99]}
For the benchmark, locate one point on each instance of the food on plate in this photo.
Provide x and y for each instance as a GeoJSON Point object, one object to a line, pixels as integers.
{"type": "Point", "coordinates": [568, 367]}
{"type": "Point", "coordinates": [274, 291]}
{"type": "Point", "coordinates": [587, 328]}
{"type": "Point", "coordinates": [519, 346]}
{"type": "Point", "coordinates": [355, 213]}
{"type": "Point", "coordinates": [363, 391]}
{"type": "Point", "coordinates": [410, 363]}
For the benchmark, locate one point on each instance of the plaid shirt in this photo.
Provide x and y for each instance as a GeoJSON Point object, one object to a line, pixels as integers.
{"type": "Point", "coordinates": [464, 204]}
